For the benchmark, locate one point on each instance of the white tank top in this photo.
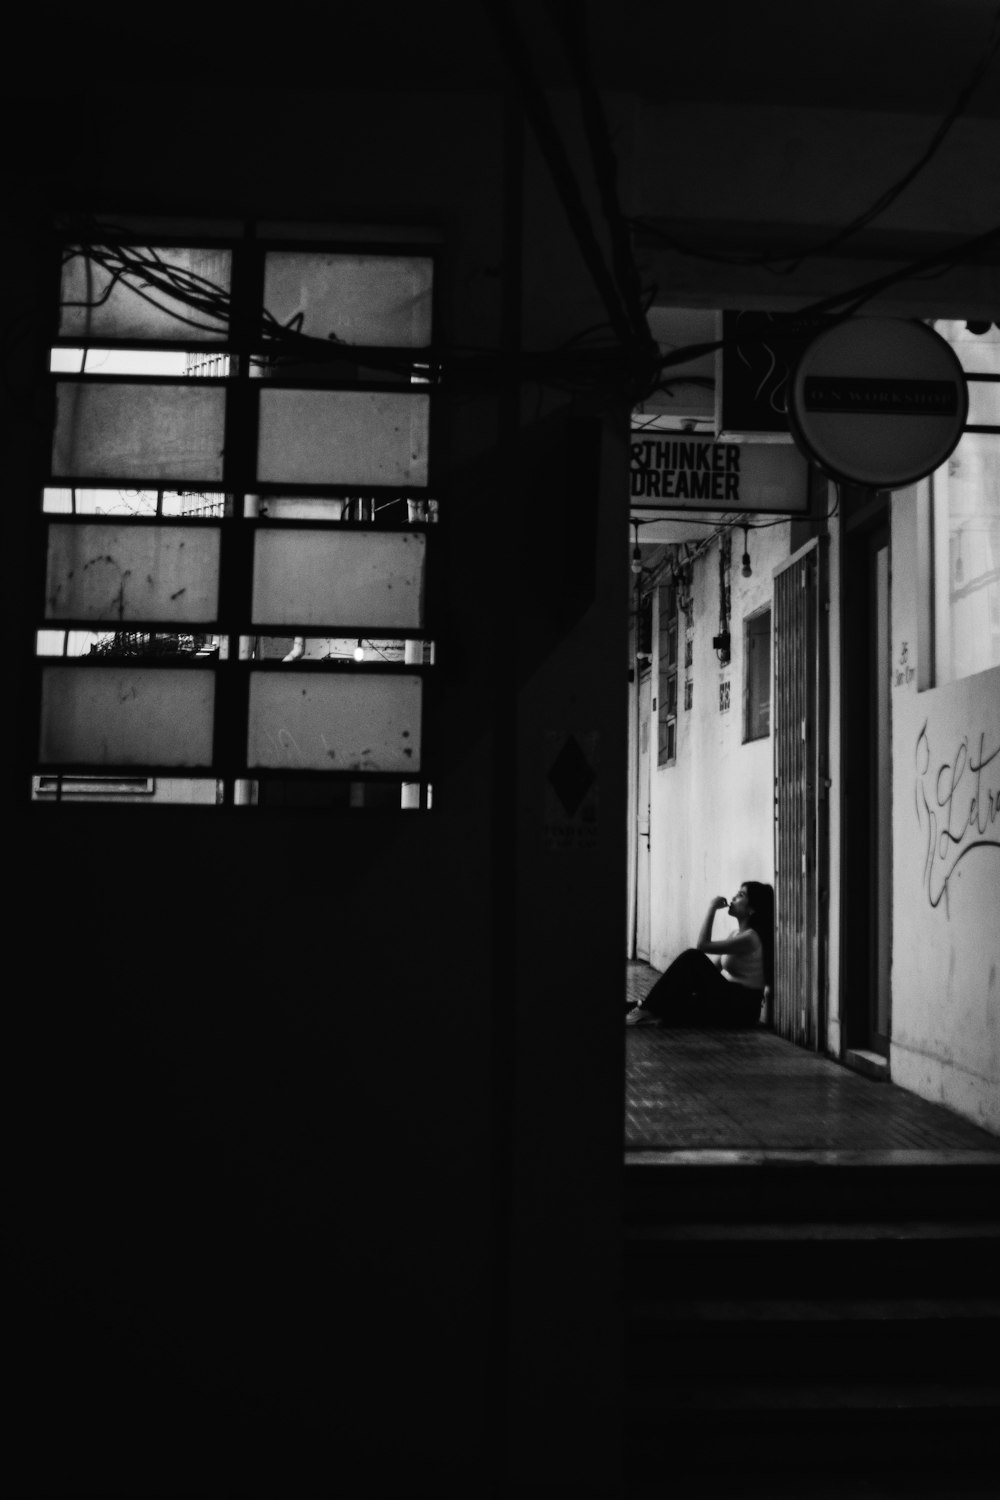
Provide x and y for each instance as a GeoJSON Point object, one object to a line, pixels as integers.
{"type": "Point", "coordinates": [746, 968]}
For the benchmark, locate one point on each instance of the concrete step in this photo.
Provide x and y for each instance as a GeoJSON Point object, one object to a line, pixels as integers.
{"type": "Point", "coordinates": [802, 1231]}
{"type": "Point", "coordinates": [811, 1259]}
{"type": "Point", "coordinates": [786, 1392]}
{"type": "Point", "coordinates": [677, 1187]}
{"type": "Point", "coordinates": [868, 1345]}
{"type": "Point", "coordinates": [799, 1453]}
{"type": "Point", "coordinates": [703, 1313]}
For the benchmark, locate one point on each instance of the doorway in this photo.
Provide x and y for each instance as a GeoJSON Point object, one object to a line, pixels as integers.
{"type": "Point", "coordinates": [867, 790]}
{"type": "Point", "coordinates": [642, 817]}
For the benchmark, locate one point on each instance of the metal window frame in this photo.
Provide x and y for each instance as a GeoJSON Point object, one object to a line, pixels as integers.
{"type": "Point", "coordinates": [748, 622]}
{"type": "Point", "coordinates": [666, 755]}
{"type": "Point", "coordinates": [241, 344]}
{"type": "Point", "coordinates": [928, 674]}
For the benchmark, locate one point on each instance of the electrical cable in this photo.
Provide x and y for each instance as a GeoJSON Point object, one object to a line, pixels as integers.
{"type": "Point", "coordinates": [582, 370]}
{"type": "Point", "coordinates": [557, 158]}
{"type": "Point", "coordinates": [570, 22]}
{"type": "Point", "coordinates": [889, 196]}
{"type": "Point", "coordinates": [844, 304]}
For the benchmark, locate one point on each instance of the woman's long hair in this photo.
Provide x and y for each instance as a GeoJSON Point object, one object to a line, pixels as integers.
{"type": "Point", "coordinates": [761, 898]}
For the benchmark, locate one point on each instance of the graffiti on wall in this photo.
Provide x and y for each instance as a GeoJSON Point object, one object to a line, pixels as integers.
{"type": "Point", "coordinates": [905, 671]}
{"type": "Point", "coordinates": [958, 808]}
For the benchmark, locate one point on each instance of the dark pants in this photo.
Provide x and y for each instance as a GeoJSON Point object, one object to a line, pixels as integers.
{"type": "Point", "coordinates": [692, 992]}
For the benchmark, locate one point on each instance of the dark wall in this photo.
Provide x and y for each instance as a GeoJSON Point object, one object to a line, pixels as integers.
{"type": "Point", "coordinates": [318, 1114]}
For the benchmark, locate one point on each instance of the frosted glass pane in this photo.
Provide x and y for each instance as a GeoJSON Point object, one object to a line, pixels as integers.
{"type": "Point", "coordinates": [365, 578]}
{"type": "Point", "coordinates": [352, 299]}
{"type": "Point", "coordinates": [117, 310]}
{"type": "Point", "coordinates": [126, 716]}
{"type": "Point", "coordinates": [343, 722]}
{"type": "Point", "coordinates": [139, 431]}
{"type": "Point", "coordinates": [294, 508]}
{"type": "Point", "coordinates": [104, 571]}
{"type": "Point", "coordinates": [342, 437]}
{"type": "Point", "coordinates": [984, 403]}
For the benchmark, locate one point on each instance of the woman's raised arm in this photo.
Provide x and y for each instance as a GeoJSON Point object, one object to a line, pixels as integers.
{"type": "Point", "coordinates": [705, 935]}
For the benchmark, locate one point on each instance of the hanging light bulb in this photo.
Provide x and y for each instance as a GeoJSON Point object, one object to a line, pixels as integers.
{"type": "Point", "coordinates": [746, 570]}
{"type": "Point", "coordinates": [359, 651]}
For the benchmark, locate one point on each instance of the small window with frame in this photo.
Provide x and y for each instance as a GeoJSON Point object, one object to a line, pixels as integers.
{"type": "Point", "coordinates": [959, 516]}
{"type": "Point", "coordinates": [667, 694]}
{"type": "Point", "coordinates": [757, 675]}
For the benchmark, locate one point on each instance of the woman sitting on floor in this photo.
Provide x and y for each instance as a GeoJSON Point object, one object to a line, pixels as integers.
{"type": "Point", "coordinates": [694, 992]}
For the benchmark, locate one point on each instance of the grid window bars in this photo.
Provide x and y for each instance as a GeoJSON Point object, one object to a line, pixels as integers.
{"type": "Point", "coordinates": [238, 524]}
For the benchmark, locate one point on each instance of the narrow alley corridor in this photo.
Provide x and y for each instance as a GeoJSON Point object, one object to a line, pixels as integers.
{"type": "Point", "coordinates": [689, 1090]}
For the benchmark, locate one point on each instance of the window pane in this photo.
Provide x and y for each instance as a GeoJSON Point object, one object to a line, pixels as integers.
{"type": "Point", "coordinates": [384, 510]}
{"type": "Point", "coordinates": [411, 651]}
{"type": "Point", "coordinates": [126, 502]}
{"type": "Point", "coordinates": [967, 558]}
{"type": "Point", "coordinates": [285, 791]}
{"type": "Point", "coordinates": [139, 431]}
{"type": "Point", "coordinates": [978, 353]}
{"type": "Point", "coordinates": [138, 303]}
{"type": "Point", "coordinates": [757, 668]}
{"type": "Point", "coordinates": [137, 791]}
{"type": "Point", "coordinates": [126, 716]}
{"type": "Point", "coordinates": [351, 299]}
{"type": "Point", "coordinates": [984, 403]}
{"type": "Point", "coordinates": [341, 722]}
{"type": "Point", "coordinates": [126, 643]}
{"type": "Point", "coordinates": [99, 362]}
{"type": "Point", "coordinates": [342, 437]}
{"type": "Point", "coordinates": [363, 578]}
{"type": "Point", "coordinates": [117, 572]}
{"type": "Point", "coordinates": [294, 508]}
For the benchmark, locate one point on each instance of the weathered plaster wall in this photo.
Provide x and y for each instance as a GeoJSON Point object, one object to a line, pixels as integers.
{"type": "Point", "coordinates": [946, 863]}
{"type": "Point", "coordinates": [712, 822]}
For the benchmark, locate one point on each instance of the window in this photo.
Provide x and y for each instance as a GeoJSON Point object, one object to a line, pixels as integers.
{"type": "Point", "coordinates": [237, 521]}
{"type": "Point", "coordinates": [964, 520]}
{"type": "Point", "coordinates": [667, 689]}
{"type": "Point", "coordinates": [757, 675]}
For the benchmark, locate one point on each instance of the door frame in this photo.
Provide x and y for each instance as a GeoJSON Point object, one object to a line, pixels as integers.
{"type": "Point", "coordinates": [814, 554]}
{"type": "Point", "coordinates": [865, 523]}
{"type": "Point", "coordinates": [643, 810]}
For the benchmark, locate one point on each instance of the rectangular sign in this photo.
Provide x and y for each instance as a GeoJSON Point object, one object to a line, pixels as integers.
{"type": "Point", "coordinates": [678, 471]}
{"type": "Point", "coordinates": [861, 395]}
{"type": "Point", "coordinates": [754, 368]}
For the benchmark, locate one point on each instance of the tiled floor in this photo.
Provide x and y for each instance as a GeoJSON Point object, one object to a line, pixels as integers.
{"type": "Point", "coordinates": [751, 1091]}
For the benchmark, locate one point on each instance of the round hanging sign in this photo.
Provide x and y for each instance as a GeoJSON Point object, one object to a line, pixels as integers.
{"type": "Point", "coordinates": [878, 401]}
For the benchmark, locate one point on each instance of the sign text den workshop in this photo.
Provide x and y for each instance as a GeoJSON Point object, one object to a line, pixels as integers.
{"type": "Point", "coordinates": [677, 469]}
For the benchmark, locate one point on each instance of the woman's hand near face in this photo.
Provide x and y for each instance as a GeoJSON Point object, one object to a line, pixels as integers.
{"type": "Point", "coordinates": [720, 902]}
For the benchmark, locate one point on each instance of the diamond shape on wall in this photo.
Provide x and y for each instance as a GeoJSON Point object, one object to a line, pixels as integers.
{"type": "Point", "coordinates": [571, 775]}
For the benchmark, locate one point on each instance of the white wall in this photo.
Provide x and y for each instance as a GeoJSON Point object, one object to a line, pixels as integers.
{"type": "Point", "coordinates": [946, 892]}
{"type": "Point", "coordinates": [712, 818]}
